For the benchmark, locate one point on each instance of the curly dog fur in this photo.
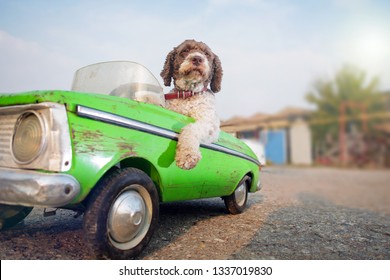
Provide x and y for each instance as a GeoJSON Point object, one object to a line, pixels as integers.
{"type": "Point", "coordinates": [193, 67]}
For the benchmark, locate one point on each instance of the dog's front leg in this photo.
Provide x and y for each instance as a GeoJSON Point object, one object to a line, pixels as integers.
{"type": "Point", "coordinates": [187, 150]}
{"type": "Point", "coordinates": [190, 138]}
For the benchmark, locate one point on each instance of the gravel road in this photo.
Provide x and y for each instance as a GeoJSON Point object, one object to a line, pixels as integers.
{"type": "Point", "coordinates": [301, 213]}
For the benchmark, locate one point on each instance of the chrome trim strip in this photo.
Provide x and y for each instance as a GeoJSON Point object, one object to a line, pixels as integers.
{"type": "Point", "coordinates": [106, 117]}
{"type": "Point", "coordinates": [222, 149]}
{"type": "Point", "coordinates": [32, 188]}
{"type": "Point", "coordinates": [94, 114]}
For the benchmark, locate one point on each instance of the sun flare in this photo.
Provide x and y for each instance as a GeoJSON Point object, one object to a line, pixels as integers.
{"type": "Point", "coordinates": [372, 44]}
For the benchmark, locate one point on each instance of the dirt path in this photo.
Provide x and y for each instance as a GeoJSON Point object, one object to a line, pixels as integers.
{"type": "Point", "coordinates": [301, 213]}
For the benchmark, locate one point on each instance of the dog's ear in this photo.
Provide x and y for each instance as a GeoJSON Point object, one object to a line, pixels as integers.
{"type": "Point", "coordinates": [216, 80]}
{"type": "Point", "coordinates": [167, 71]}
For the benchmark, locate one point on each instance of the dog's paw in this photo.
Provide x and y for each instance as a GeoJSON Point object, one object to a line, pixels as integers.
{"type": "Point", "coordinates": [188, 161]}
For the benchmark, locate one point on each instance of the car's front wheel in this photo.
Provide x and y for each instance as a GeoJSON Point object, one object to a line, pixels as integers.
{"type": "Point", "coordinates": [236, 202]}
{"type": "Point", "coordinates": [10, 215]}
{"type": "Point", "coordinates": [122, 214]}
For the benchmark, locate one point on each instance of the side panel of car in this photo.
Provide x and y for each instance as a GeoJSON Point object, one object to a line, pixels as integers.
{"type": "Point", "coordinates": [98, 146]}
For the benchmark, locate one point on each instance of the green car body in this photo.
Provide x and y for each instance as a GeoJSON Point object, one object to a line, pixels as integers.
{"type": "Point", "coordinates": [95, 134]}
{"type": "Point", "coordinates": [98, 145]}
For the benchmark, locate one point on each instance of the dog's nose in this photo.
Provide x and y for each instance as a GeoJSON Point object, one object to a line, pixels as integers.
{"type": "Point", "coordinates": [197, 60]}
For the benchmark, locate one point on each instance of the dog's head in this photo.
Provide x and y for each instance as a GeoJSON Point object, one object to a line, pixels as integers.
{"type": "Point", "coordinates": [192, 66]}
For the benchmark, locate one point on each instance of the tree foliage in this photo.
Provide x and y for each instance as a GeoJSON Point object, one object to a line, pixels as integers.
{"type": "Point", "coordinates": [349, 86]}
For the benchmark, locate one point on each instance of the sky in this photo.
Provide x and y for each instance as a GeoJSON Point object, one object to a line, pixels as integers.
{"type": "Point", "coordinates": [272, 51]}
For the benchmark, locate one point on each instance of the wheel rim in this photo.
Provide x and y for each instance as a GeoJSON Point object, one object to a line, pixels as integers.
{"type": "Point", "coordinates": [129, 217]}
{"type": "Point", "coordinates": [240, 194]}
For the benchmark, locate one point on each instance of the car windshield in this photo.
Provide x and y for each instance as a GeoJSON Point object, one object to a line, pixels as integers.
{"type": "Point", "coordinates": [120, 78]}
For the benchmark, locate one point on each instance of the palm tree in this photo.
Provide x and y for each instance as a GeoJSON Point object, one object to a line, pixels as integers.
{"type": "Point", "coordinates": [348, 101]}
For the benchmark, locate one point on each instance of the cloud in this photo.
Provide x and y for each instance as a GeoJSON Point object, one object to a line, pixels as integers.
{"type": "Point", "coordinates": [267, 81]}
{"type": "Point", "coordinates": [28, 66]}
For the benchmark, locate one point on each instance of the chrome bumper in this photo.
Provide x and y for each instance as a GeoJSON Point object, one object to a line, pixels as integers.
{"type": "Point", "coordinates": [31, 188]}
{"type": "Point", "coordinates": [259, 185]}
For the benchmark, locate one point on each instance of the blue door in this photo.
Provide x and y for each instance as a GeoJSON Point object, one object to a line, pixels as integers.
{"type": "Point", "coordinates": [275, 149]}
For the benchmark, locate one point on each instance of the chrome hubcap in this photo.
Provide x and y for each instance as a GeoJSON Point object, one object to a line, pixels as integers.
{"type": "Point", "coordinates": [129, 217]}
{"type": "Point", "coordinates": [240, 194]}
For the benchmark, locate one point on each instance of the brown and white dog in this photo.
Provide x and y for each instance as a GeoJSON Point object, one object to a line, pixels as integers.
{"type": "Point", "coordinates": [193, 67]}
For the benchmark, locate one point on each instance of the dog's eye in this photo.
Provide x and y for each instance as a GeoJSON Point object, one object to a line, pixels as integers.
{"type": "Point", "coordinates": [185, 51]}
{"type": "Point", "coordinates": [207, 54]}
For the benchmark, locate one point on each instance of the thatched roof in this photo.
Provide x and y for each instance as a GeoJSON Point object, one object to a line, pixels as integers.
{"type": "Point", "coordinates": [262, 120]}
{"type": "Point", "coordinates": [289, 112]}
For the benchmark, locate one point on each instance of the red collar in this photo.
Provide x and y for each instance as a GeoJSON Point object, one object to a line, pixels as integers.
{"type": "Point", "coordinates": [177, 94]}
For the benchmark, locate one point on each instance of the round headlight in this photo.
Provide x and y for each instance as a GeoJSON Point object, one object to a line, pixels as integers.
{"type": "Point", "coordinates": [29, 137]}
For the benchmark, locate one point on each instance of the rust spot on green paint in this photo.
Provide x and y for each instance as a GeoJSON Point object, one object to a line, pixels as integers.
{"type": "Point", "coordinates": [127, 149]}
{"type": "Point", "coordinates": [91, 134]}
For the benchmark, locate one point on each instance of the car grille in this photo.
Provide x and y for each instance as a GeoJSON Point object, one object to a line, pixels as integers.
{"type": "Point", "coordinates": [7, 123]}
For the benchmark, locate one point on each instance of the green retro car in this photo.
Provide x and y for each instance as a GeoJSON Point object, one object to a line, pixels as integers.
{"type": "Point", "coordinates": [96, 151]}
